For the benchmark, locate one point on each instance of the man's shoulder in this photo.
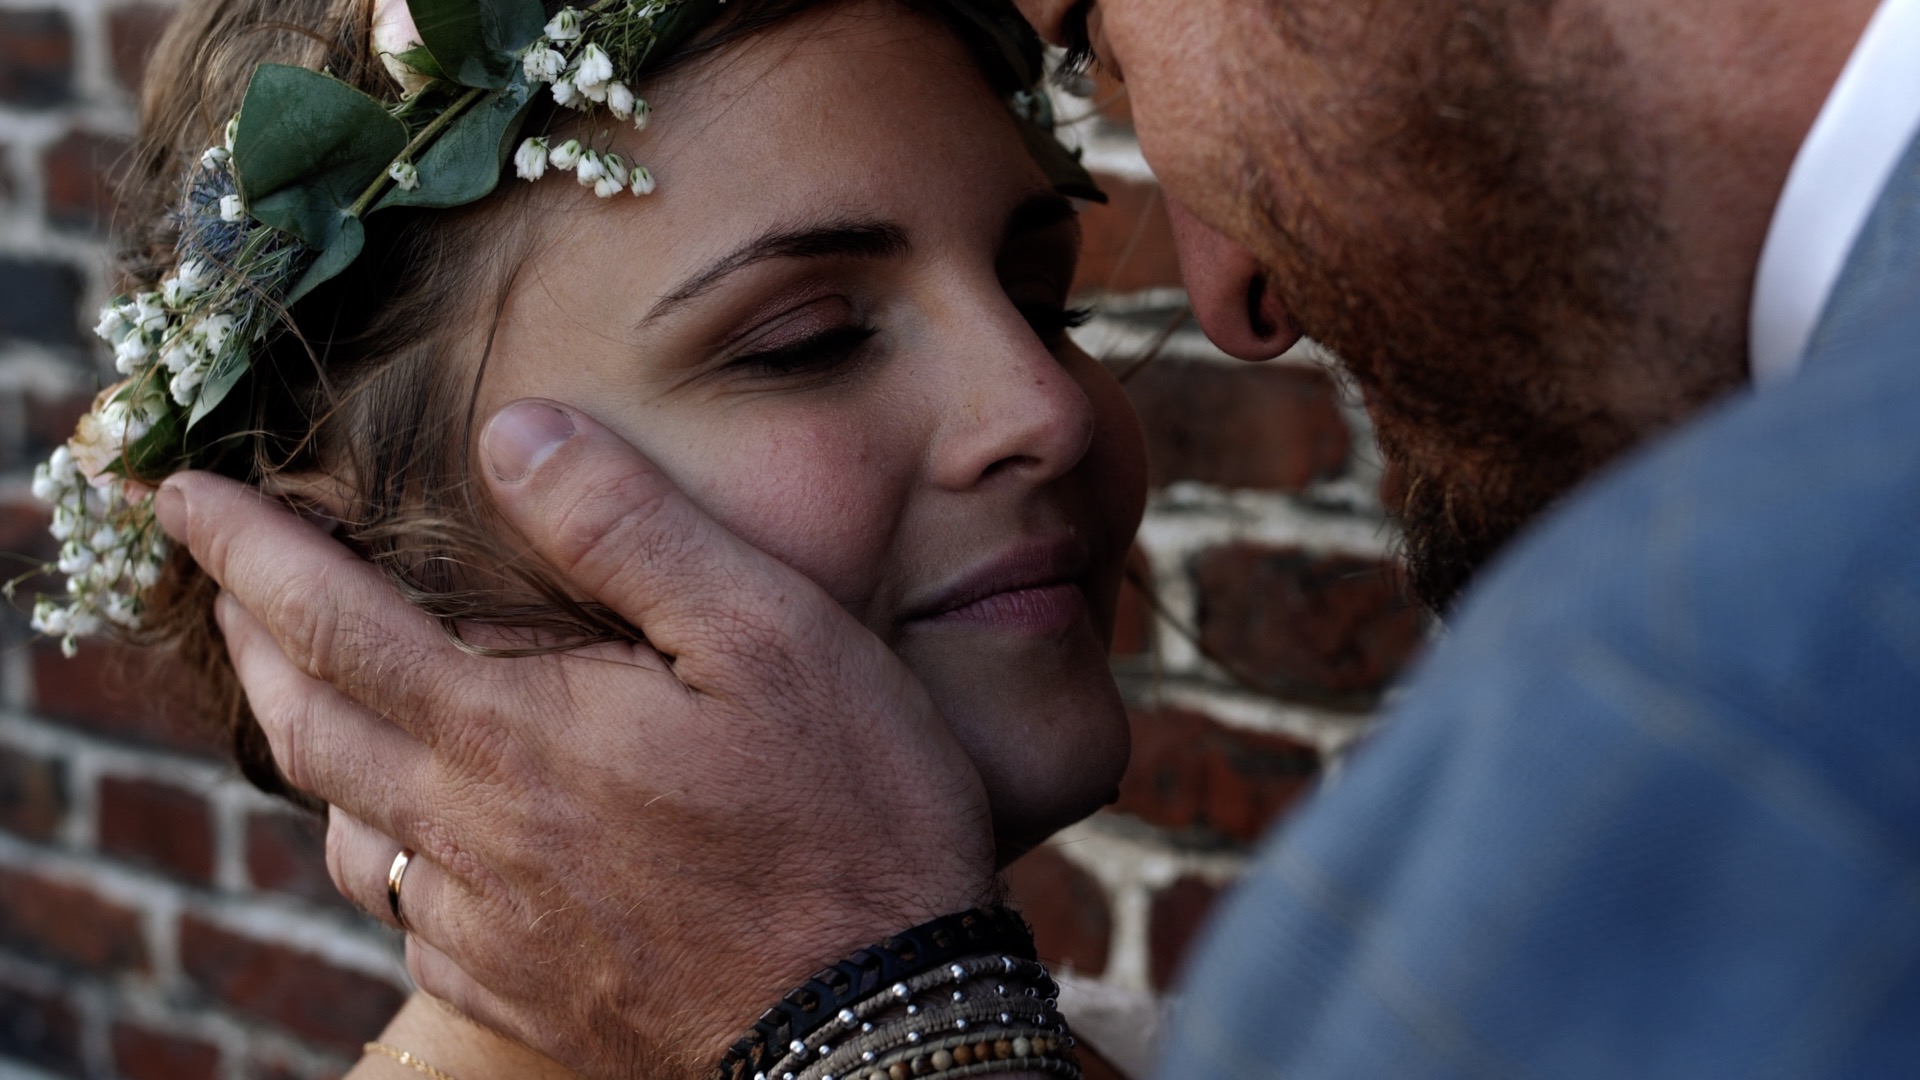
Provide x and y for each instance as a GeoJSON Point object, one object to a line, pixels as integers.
{"type": "Point", "coordinates": [1652, 809]}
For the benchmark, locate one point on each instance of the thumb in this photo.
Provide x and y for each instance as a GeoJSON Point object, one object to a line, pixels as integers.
{"type": "Point", "coordinates": [619, 530]}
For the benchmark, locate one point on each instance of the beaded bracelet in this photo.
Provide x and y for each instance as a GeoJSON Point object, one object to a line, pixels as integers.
{"type": "Point", "coordinates": [870, 995]}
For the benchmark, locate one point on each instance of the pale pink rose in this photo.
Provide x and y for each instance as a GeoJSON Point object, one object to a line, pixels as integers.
{"type": "Point", "coordinates": [393, 34]}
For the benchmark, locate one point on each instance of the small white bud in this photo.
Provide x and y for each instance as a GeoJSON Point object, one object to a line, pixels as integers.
{"type": "Point", "coordinates": [591, 168]}
{"type": "Point", "coordinates": [131, 353]}
{"type": "Point", "coordinates": [215, 157]}
{"type": "Point", "coordinates": [111, 323]}
{"type": "Point", "coordinates": [230, 209]}
{"type": "Point", "coordinates": [565, 94]}
{"type": "Point", "coordinates": [404, 174]}
{"type": "Point", "coordinates": [595, 71]}
{"type": "Point", "coordinates": [620, 101]}
{"type": "Point", "coordinates": [642, 181]}
{"type": "Point", "coordinates": [564, 26]}
{"type": "Point", "coordinates": [233, 129]}
{"type": "Point", "coordinates": [530, 161]}
{"type": "Point", "coordinates": [184, 384]}
{"type": "Point", "coordinates": [566, 155]}
{"type": "Point", "coordinates": [542, 63]}
{"type": "Point", "coordinates": [642, 114]}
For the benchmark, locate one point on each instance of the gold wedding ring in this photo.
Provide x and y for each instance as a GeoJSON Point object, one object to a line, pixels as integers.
{"type": "Point", "coordinates": [395, 874]}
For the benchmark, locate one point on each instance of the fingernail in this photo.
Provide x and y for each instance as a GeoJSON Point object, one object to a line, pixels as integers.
{"type": "Point", "coordinates": [170, 508]}
{"type": "Point", "coordinates": [522, 436]}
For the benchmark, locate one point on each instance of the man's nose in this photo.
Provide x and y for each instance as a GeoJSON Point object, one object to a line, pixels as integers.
{"type": "Point", "coordinates": [1235, 302]}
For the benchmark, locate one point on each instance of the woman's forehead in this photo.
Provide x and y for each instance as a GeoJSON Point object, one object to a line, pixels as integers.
{"type": "Point", "coordinates": [863, 110]}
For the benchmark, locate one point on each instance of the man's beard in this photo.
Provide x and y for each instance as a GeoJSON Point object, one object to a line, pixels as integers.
{"type": "Point", "coordinates": [1491, 271]}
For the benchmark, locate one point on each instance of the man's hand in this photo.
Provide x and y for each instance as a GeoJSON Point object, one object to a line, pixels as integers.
{"type": "Point", "coordinates": [624, 853]}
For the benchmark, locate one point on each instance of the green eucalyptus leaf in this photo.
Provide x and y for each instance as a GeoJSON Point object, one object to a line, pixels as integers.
{"type": "Point", "coordinates": [337, 257]}
{"type": "Point", "coordinates": [422, 61]}
{"type": "Point", "coordinates": [227, 371]}
{"type": "Point", "coordinates": [156, 453]}
{"type": "Point", "coordinates": [464, 163]}
{"type": "Point", "coordinates": [477, 42]}
{"type": "Point", "coordinates": [308, 145]}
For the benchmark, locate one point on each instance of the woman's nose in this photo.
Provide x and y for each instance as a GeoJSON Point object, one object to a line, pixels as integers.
{"type": "Point", "coordinates": [1023, 414]}
{"type": "Point", "coordinates": [1235, 302]}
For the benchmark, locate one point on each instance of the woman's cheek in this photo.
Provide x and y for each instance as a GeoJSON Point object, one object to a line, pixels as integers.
{"type": "Point", "coordinates": [815, 496]}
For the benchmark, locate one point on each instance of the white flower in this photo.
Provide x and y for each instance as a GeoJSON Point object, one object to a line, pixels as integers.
{"type": "Point", "coordinates": [620, 101]}
{"type": "Point", "coordinates": [50, 618]}
{"type": "Point", "coordinates": [214, 330]}
{"type": "Point", "coordinates": [112, 323]}
{"type": "Point", "coordinates": [615, 181]}
{"type": "Point", "coordinates": [642, 181]}
{"type": "Point", "coordinates": [230, 208]}
{"type": "Point", "coordinates": [591, 168]}
{"type": "Point", "coordinates": [215, 157]}
{"type": "Point", "coordinates": [565, 94]}
{"type": "Point", "coordinates": [566, 155]}
{"type": "Point", "coordinates": [147, 313]}
{"type": "Point", "coordinates": [565, 26]}
{"type": "Point", "coordinates": [595, 71]}
{"type": "Point", "coordinates": [530, 161]}
{"type": "Point", "coordinates": [146, 573]}
{"type": "Point", "coordinates": [233, 129]}
{"type": "Point", "coordinates": [189, 279]}
{"type": "Point", "coordinates": [642, 114]}
{"type": "Point", "coordinates": [543, 63]}
{"type": "Point", "coordinates": [184, 384]}
{"type": "Point", "coordinates": [120, 609]}
{"type": "Point", "coordinates": [181, 355]}
{"type": "Point", "coordinates": [404, 174]}
{"type": "Point", "coordinates": [75, 558]}
{"type": "Point", "coordinates": [131, 353]}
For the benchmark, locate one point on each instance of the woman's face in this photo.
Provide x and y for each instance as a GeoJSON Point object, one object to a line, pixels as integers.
{"type": "Point", "coordinates": [838, 326]}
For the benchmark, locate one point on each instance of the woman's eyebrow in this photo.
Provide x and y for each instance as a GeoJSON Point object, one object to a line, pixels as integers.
{"type": "Point", "coordinates": [859, 238]}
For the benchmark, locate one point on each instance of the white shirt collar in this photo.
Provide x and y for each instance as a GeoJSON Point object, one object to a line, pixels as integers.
{"type": "Point", "coordinates": [1865, 127]}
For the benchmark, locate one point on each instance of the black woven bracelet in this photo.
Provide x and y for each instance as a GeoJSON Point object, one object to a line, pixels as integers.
{"type": "Point", "coordinates": [806, 1007]}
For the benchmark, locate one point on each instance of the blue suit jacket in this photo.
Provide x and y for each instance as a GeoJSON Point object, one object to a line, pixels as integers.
{"type": "Point", "coordinates": [1653, 808]}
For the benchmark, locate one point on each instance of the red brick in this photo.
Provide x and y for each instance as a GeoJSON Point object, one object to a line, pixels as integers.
{"type": "Point", "coordinates": [1128, 243]}
{"type": "Point", "coordinates": [80, 173]}
{"type": "Point", "coordinates": [39, 1029]}
{"type": "Point", "coordinates": [33, 795]}
{"type": "Point", "coordinates": [1323, 627]}
{"type": "Point", "coordinates": [1270, 427]}
{"type": "Point", "coordinates": [132, 32]}
{"type": "Point", "coordinates": [119, 693]}
{"type": "Point", "coordinates": [300, 992]}
{"type": "Point", "coordinates": [1178, 913]}
{"type": "Point", "coordinates": [1068, 909]}
{"type": "Point", "coordinates": [288, 854]}
{"type": "Point", "coordinates": [36, 58]}
{"type": "Point", "coordinates": [1133, 616]}
{"type": "Point", "coordinates": [1189, 772]}
{"type": "Point", "coordinates": [159, 825]}
{"type": "Point", "coordinates": [143, 1054]}
{"type": "Point", "coordinates": [68, 925]}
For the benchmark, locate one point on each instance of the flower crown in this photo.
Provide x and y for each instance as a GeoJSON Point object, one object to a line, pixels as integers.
{"type": "Point", "coordinates": [280, 208]}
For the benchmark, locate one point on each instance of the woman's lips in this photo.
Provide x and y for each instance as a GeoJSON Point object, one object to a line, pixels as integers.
{"type": "Point", "coordinates": [1035, 587]}
{"type": "Point", "coordinates": [1039, 609]}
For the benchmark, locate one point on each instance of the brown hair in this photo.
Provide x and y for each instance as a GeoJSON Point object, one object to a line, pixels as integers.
{"type": "Point", "coordinates": [359, 393]}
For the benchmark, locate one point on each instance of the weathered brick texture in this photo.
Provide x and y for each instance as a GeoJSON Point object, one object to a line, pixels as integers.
{"type": "Point", "coordinates": [158, 921]}
{"type": "Point", "coordinates": [294, 990]}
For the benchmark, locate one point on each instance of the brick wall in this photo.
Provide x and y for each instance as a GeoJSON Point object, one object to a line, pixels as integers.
{"type": "Point", "coordinates": [159, 919]}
